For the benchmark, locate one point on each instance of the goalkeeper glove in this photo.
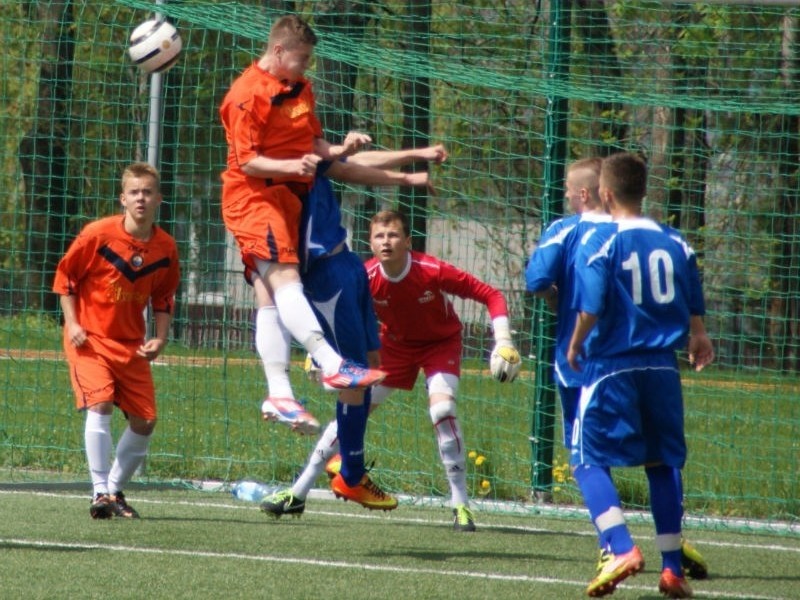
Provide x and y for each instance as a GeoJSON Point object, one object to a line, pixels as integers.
{"type": "Point", "coordinates": [504, 362]}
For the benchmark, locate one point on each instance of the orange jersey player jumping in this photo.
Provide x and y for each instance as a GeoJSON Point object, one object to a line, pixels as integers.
{"type": "Point", "coordinates": [114, 270]}
{"type": "Point", "coordinates": [274, 144]}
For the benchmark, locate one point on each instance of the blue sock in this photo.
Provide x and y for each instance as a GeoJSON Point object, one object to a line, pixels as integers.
{"type": "Point", "coordinates": [676, 473]}
{"type": "Point", "coordinates": [600, 497]}
{"type": "Point", "coordinates": [599, 541]}
{"type": "Point", "coordinates": [667, 508]}
{"type": "Point", "coordinates": [368, 402]}
{"type": "Point", "coordinates": [352, 423]}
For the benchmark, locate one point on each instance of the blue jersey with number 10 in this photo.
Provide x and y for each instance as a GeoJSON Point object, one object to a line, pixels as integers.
{"type": "Point", "coordinates": [640, 279]}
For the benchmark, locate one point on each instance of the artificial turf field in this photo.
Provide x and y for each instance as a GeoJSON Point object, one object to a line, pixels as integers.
{"type": "Point", "coordinates": [201, 544]}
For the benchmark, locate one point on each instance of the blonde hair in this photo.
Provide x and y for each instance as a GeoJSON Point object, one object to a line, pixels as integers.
{"type": "Point", "coordinates": [140, 169]}
{"type": "Point", "coordinates": [590, 178]}
{"type": "Point", "coordinates": [291, 31]}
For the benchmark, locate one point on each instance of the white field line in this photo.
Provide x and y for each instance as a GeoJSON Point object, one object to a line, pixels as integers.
{"type": "Point", "coordinates": [474, 574]}
{"type": "Point", "coordinates": [357, 566]}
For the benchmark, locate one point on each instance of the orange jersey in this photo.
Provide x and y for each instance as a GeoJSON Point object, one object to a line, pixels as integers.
{"type": "Point", "coordinates": [265, 117]}
{"type": "Point", "coordinates": [114, 275]}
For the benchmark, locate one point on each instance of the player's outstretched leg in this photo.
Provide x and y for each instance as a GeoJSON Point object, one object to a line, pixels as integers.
{"type": "Point", "coordinates": [290, 412]}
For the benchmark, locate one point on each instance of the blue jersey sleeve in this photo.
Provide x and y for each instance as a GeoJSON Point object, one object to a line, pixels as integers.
{"type": "Point", "coordinates": [546, 264]}
{"type": "Point", "coordinates": [321, 227]}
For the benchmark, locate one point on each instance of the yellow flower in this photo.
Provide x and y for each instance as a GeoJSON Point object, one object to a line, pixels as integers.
{"type": "Point", "coordinates": [480, 460]}
{"type": "Point", "coordinates": [485, 485]}
{"type": "Point", "coordinates": [472, 454]}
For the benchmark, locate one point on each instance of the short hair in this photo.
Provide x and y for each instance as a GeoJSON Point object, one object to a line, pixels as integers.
{"type": "Point", "coordinates": [291, 31]}
{"type": "Point", "coordinates": [625, 174]}
{"type": "Point", "coordinates": [592, 165]}
{"type": "Point", "coordinates": [140, 169]}
{"type": "Point", "coordinates": [385, 217]}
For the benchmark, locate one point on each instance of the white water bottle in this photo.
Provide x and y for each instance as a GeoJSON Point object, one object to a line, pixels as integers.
{"type": "Point", "coordinates": [252, 491]}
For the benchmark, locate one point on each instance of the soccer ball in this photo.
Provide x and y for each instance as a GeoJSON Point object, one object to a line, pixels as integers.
{"type": "Point", "coordinates": [155, 46]}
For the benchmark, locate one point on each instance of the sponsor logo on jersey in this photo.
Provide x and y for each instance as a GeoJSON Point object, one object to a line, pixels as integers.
{"type": "Point", "coordinates": [428, 296]}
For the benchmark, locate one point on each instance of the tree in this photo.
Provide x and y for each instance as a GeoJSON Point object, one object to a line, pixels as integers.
{"type": "Point", "coordinates": [43, 153]}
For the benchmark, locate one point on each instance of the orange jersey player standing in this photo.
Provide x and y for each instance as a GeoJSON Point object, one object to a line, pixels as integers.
{"type": "Point", "coordinates": [114, 270]}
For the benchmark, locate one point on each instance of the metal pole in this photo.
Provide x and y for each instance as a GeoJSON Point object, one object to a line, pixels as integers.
{"type": "Point", "coordinates": [153, 158]}
{"type": "Point", "coordinates": [154, 145]}
{"type": "Point", "coordinates": [154, 122]}
{"type": "Point", "coordinates": [543, 427]}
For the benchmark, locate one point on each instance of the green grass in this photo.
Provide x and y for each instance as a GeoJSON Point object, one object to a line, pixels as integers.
{"type": "Point", "coordinates": [742, 430]}
{"type": "Point", "coordinates": [192, 544]}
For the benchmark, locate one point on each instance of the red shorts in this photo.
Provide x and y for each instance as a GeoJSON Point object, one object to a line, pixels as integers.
{"type": "Point", "coordinates": [403, 362]}
{"type": "Point", "coordinates": [105, 370]}
{"type": "Point", "coordinates": [265, 221]}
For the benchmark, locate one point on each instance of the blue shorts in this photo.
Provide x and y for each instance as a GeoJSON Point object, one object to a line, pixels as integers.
{"type": "Point", "coordinates": [630, 413]}
{"type": "Point", "coordinates": [338, 290]}
{"type": "Point", "coordinates": [570, 398]}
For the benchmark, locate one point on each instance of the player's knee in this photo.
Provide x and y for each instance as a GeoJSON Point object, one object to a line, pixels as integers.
{"type": "Point", "coordinates": [448, 435]}
{"type": "Point", "coordinates": [444, 409]}
{"type": "Point", "coordinates": [142, 426]}
{"type": "Point", "coordinates": [442, 384]}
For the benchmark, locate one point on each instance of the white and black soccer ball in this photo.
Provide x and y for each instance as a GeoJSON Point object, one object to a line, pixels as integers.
{"type": "Point", "coordinates": [155, 46]}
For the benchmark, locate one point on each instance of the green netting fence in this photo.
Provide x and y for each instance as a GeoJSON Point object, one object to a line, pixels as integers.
{"type": "Point", "coordinates": [516, 89]}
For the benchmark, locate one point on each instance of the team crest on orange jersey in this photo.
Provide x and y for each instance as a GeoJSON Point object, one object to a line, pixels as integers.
{"type": "Point", "coordinates": [298, 110]}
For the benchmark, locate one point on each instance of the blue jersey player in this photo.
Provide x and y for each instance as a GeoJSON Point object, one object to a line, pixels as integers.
{"type": "Point", "coordinates": [639, 299]}
{"type": "Point", "coordinates": [549, 274]}
{"type": "Point", "coordinates": [335, 282]}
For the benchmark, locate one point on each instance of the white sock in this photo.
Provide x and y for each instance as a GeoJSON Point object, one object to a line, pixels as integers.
{"type": "Point", "coordinates": [451, 450]}
{"type": "Point", "coordinates": [97, 440]}
{"type": "Point", "coordinates": [299, 319]}
{"type": "Point", "coordinates": [273, 342]}
{"type": "Point", "coordinates": [326, 447]}
{"type": "Point", "coordinates": [131, 450]}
